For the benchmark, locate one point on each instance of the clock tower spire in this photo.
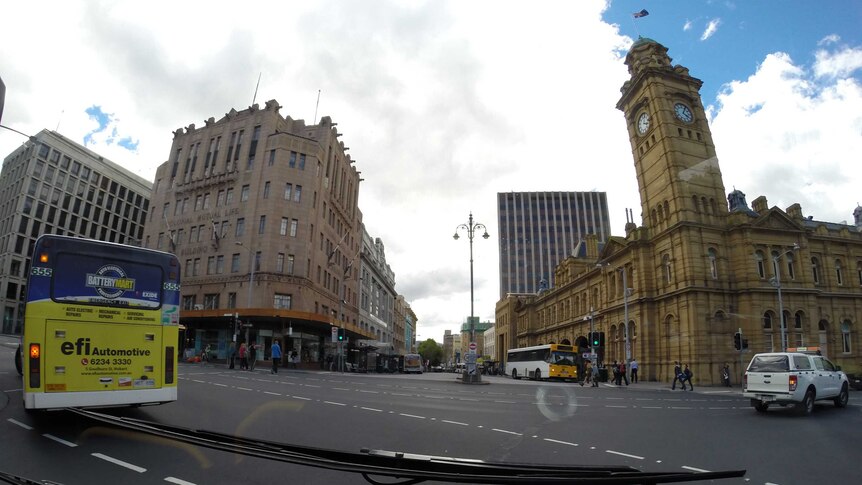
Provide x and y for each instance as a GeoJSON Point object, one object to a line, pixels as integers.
{"type": "Point", "coordinates": [677, 170]}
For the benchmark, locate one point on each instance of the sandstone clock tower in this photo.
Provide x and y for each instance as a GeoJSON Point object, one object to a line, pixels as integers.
{"type": "Point", "coordinates": [677, 170]}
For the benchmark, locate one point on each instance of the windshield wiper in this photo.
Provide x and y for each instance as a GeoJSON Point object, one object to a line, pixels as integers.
{"type": "Point", "coordinates": [411, 468]}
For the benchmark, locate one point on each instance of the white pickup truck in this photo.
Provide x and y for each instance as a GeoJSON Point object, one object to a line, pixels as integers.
{"type": "Point", "coordinates": [794, 378]}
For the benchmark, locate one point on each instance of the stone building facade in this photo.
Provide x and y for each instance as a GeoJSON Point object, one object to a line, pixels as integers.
{"type": "Point", "coordinates": [703, 264]}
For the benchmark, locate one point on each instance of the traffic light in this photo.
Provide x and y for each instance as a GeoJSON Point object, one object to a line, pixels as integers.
{"type": "Point", "coordinates": [341, 334]}
{"type": "Point", "coordinates": [737, 341]}
{"type": "Point", "coordinates": [744, 343]}
{"type": "Point", "coordinates": [594, 339]}
{"type": "Point", "coordinates": [601, 339]}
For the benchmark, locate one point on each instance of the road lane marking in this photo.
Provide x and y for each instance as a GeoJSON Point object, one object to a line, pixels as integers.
{"type": "Point", "coordinates": [119, 462]}
{"type": "Point", "coordinates": [371, 409]}
{"type": "Point", "coordinates": [60, 440]}
{"type": "Point", "coordinates": [561, 442]}
{"type": "Point", "coordinates": [19, 423]}
{"type": "Point", "coordinates": [400, 394]}
{"type": "Point", "coordinates": [272, 393]}
{"type": "Point", "coordinates": [178, 481]}
{"type": "Point", "coordinates": [310, 385]}
{"type": "Point", "coordinates": [411, 416]}
{"type": "Point", "coordinates": [507, 432]}
{"type": "Point", "coordinates": [198, 381]}
{"type": "Point", "coordinates": [454, 422]}
{"type": "Point", "coordinates": [335, 403]}
{"type": "Point", "coordinates": [681, 407]}
{"type": "Point", "coordinates": [300, 397]}
{"type": "Point", "coordinates": [370, 392]}
{"type": "Point", "coordinates": [699, 470]}
{"type": "Point", "coordinates": [651, 407]}
{"type": "Point", "coordinates": [624, 454]}
{"type": "Point", "coordinates": [506, 402]}
{"type": "Point", "coordinates": [340, 389]}
{"type": "Point", "coordinates": [614, 406]}
{"type": "Point", "coordinates": [220, 385]}
{"type": "Point", "coordinates": [242, 388]}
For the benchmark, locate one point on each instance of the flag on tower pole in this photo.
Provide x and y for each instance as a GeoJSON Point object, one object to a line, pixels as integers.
{"type": "Point", "coordinates": [642, 13]}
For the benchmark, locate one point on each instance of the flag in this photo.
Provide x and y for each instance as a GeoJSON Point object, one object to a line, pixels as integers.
{"type": "Point", "coordinates": [642, 13]}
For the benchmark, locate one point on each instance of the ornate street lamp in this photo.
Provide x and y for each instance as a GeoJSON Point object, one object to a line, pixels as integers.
{"type": "Point", "coordinates": [471, 227]}
{"type": "Point", "coordinates": [776, 281]}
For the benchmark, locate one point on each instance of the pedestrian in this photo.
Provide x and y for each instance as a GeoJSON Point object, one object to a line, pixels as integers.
{"type": "Point", "coordinates": [231, 354]}
{"type": "Point", "coordinates": [252, 355]}
{"type": "Point", "coordinates": [205, 355]}
{"type": "Point", "coordinates": [725, 375]}
{"type": "Point", "coordinates": [687, 375]}
{"type": "Point", "coordinates": [677, 375]}
{"type": "Point", "coordinates": [634, 367]}
{"type": "Point", "coordinates": [595, 375]}
{"type": "Point", "coordinates": [275, 354]}
{"type": "Point", "coordinates": [588, 372]}
{"type": "Point", "coordinates": [243, 356]}
{"type": "Point", "coordinates": [615, 368]}
{"type": "Point", "coordinates": [623, 375]}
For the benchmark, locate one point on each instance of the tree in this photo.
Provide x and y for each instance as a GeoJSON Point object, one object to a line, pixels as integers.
{"type": "Point", "coordinates": [431, 351]}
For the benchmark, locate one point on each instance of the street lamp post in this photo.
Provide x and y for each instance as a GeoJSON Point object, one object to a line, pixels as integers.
{"type": "Point", "coordinates": [250, 283]}
{"type": "Point", "coordinates": [777, 283]}
{"type": "Point", "coordinates": [471, 227]}
{"type": "Point", "coordinates": [626, 315]}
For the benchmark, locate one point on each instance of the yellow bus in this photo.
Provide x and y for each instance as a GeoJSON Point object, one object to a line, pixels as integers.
{"type": "Point", "coordinates": [100, 325]}
{"type": "Point", "coordinates": [550, 361]}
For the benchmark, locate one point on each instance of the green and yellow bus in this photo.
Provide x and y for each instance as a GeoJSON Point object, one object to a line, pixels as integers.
{"type": "Point", "coordinates": [550, 361]}
{"type": "Point", "coordinates": [100, 326]}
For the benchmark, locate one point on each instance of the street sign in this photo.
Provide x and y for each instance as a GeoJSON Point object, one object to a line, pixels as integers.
{"type": "Point", "coordinates": [472, 345]}
{"type": "Point", "coordinates": [335, 334]}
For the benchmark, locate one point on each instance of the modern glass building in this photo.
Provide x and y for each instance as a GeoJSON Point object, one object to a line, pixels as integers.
{"type": "Point", "coordinates": [540, 229]}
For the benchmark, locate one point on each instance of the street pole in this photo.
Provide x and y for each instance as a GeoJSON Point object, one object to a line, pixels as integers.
{"type": "Point", "coordinates": [626, 315]}
{"type": "Point", "coordinates": [248, 294]}
{"type": "Point", "coordinates": [777, 268]}
{"type": "Point", "coordinates": [471, 227]}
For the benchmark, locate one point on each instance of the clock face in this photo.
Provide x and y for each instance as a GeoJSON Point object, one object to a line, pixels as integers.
{"type": "Point", "coordinates": [682, 112]}
{"type": "Point", "coordinates": [643, 123]}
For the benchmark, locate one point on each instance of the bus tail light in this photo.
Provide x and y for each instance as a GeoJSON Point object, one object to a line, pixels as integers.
{"type": "Point", "coordinates": [35, 366]}
{"type": "Point", "coordinates": [792, 382]}
{"type": "Point", "coordinates": [169, 365]}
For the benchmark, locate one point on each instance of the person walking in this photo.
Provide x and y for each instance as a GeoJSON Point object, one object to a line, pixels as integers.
{"type": "Point", "coordinates": [725, 375]}
{"type": "Point", "coordinates": [687, 375]}
{"type": "Point", "coordinates": [205, 355]}
{"type": "Point", "coordinates": [623, 376]}
{"type": "Point", "coordinates": [243, 356]}
{"type": "Point", "coordinates": [634, 368]}
{"type": "Point", "coordinates": [595, 375]}
{"type": "Point", "coordinates": [615, 368]}
{"type": "Point", "coordinates": [677, 375]}
{"type": "Point", "coordinates": [275, 354]}
{"type": "Point", "coordinates": [252, 355]}
{"type": "Point", "coordinates": [588, 373]}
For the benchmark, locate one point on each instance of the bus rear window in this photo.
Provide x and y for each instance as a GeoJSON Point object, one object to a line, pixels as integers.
{"type": "Point", "coordinates": [94, 280]}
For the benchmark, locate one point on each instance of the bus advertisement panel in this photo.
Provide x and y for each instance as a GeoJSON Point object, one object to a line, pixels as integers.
{"type": "Point", "coordinates": [101, 325]}
{"type": "Point", "coordinates": [550, 361]}
{"type": "Point", "coordinates": [412, 363]}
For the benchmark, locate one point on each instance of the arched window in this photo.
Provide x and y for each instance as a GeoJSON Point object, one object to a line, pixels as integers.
{"type": "Point", "coordinates": [838, 274]}
{"type": "Point", "coordinates": [665, 262]}
{"type": "Point", "coordinates": [714, 206]}
{"type": "Point", "coordinates": [705, 206]}
{"type": "Point", "coordinates": [797, 324]}
{"type": "Point", "coordinates": [767, 320]}
{"type": "Point", "coordinates": [713, 264]}
{"type": "Point", "coordinates": [666, 209]}
{"type": "Point", "coordinates": [815, 269]}
{"type": "Point", "coordinates": [798, 330]}
{"type": "Point", "coordinates": [633, 329]}
{"type": "Point", "coordinates": [845, 336]}
{"type": "Point", "coordinates": [694, 203]}
{"type": "Point", "coordinates": [859, 271]}
{"type": "Point", "coordinates": [761, 270]}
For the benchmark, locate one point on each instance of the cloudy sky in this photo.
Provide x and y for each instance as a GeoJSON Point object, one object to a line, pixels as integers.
{"type": "Point", "coordinates": [444, 104]}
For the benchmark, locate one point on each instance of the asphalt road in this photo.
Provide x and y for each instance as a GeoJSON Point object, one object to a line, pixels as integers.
{"type": "Point", "coordinates": [645, 426]}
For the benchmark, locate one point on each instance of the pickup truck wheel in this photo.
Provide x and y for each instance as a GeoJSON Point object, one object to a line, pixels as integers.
{"type": "Point", "coordinates": [760, 406]}
{"type": "Point", "coordinates": [843, 397]}
{"type": "Point", "coordinates": [807, 405]}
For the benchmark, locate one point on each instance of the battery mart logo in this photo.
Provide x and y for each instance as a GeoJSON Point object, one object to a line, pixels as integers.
{"type": "Point", "coordinates": [110, 281]}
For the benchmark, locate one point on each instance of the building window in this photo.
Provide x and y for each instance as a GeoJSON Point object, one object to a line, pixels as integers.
{"type": "Point", "coordinates": [206, 201]}
{"type": "Point", "coordinates": [199, 202]}
{"type": "Point", "coordinates": [815, 270]}
{"type": "Point", "coordinates": [211, 301]}
{"type": "Point", "coordinates": [266, 190]}
{"type": "Point", "coordinates": [240, 227]}
{"type": "Point", "coordinates": [838, 274]}
{"type": "Point", "coordinates": [231, 300]}
{"type": "Point", "coordinates": [288, 189]}
{"type": "Point", "coordinates": [279, 263]}
{"type": "Point", "coordinates": [668, 274]}
{"type": "Point", "coordinates": [297, 194]}
{"type": "Point", "coordinates": [220, 198]}
{"type": "Point", "coordinates": [790, 272]}
{"type": "Point", "coordinates": [713, 265]}
{"type": "Point", "coordinates": [761, 270]}
{"type": "Point", "coordinates": [290, 261]}
{"type": "Point", "coordinates": [234, 263]}
{"type": "Point", "coordinates": [189, 302]}
{"type": "Point", "coordinates": [211, 265]}
{"type": "Point", "coordinates": [845, 337]}
{"type": "Point", "coordinates": [261, 227]}
{"type": "Point", "coordinates": [293, 225]}
{"type": "Point", "coordinates": [859, 272]}
{"type": "Point", "coordinates": [302, 161]}
{"type": "Point", "coordinates": [282, 301]}
{"type": "Point", "coordinates": [220, 264]}
{"type": "Point", "coordinates": [244, 194]}
{"type": "Point", "coordinates": [283, 228]}
{"type": "Point", "coordinates": [271, 157]}
{"type": "Point", "coordinates": [292, 162]}
{"type": "Point", "coordinates": [229, 197]}
{"type": "Point", "coordinates": [767, 321]}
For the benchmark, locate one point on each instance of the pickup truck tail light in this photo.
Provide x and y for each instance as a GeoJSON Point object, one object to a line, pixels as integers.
{"type": "Point", "coordinates": [792, 382]}
{"type": "Point", "coordinates": [745, 381]}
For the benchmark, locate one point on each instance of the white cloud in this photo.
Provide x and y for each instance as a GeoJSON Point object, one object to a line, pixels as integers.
{"type": "Point", "coordinates": [687, 25]}
{"type": "Point", "coordinates": [791, 135]}
{"type": "Point", "coordinates": [711, 28]}
{"type": "Point", "coordinates": [837, 64]}
{"type": "Point", "coordinates": [829, 39]}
